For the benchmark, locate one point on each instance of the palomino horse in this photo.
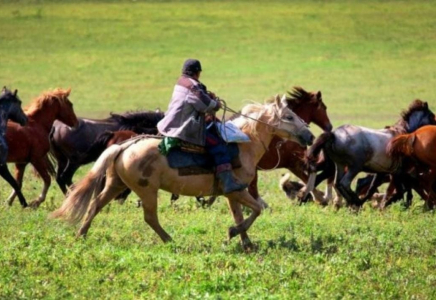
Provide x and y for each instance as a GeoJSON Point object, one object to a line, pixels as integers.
{"type": "Point", "coordinates": [354, 149]}
{"type": "Point", "coordinates": [419, 145]}
{"type": "Point", "coordinates": [70, 147]}
{"type": "Point", "coordinates": [10, 108]}
{"type": "Point", "coordinates": [289, 154]}
{"type": "Point", "coordinates": [138, 165]}
{"type": "Point", "coordinates": [31, 144]}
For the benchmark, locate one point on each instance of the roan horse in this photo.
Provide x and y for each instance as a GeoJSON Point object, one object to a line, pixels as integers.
{"type": "Point", "coordinates": [70, 146]}
{"type": "Point", "coordinates": [138, 165]}
{"type": "Point", "coordinates": [354, 149]}
{"type": "Point", "coordinates": [10, 108]}
{"type": "Point", "coordinates": [419, 146]}
{"type": "Point", "coordinates": [289, 154]}
{"type": "Point", "coordinates": [31, 144]}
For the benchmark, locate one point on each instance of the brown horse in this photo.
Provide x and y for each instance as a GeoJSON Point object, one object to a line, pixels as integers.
{"type": "Point", "coordinates": [138, 165]}
{"type": "Point", "coordinates": [419, 146]}
{"type": "Point", "coordinates": [310, 107]}
{"type": "Point", "coordinates": [31, 144]}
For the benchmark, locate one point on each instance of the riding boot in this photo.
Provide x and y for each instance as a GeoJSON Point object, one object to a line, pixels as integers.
{"type": "Point", "coordinates": [224, 173]}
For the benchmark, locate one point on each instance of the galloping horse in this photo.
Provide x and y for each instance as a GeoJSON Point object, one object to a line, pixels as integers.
{"type": "Point", "coordinates": [419, 145]}
{"type": "Point", "coordinates": [288, 154]}
{"type": "Point", "coordinates": [138, 165]}
{"type": "Point", "coordinates": [354, 149]}
{"type": "Point", "coordinates": [70, 146]}
{"type": "Point", "coordinates": [10, 108]}
{"type": "Point", "coordinates": [31, 144]}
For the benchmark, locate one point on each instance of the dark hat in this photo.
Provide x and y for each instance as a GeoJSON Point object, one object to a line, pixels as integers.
{"type": "Point", "coordinates": [191, 67]}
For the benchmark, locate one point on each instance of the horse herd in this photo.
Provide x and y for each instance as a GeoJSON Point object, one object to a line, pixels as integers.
{"type": "Point", "coordinates": [49, 130]}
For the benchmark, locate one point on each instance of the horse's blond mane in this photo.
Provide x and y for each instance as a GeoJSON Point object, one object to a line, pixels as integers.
{"type": "Point", "coordinates": [254, 111]}
{"type": "Point", "coordinates": [49, 97]}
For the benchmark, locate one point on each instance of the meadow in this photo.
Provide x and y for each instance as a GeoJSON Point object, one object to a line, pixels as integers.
{"type": "Point", "coordinates": [370, 59]}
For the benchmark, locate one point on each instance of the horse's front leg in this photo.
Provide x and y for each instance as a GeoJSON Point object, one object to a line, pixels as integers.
{"type": "Point", "coordinates": [4, 172]}
{"type": "Point", "coordinates": [254, 191]}
{"type": "Point", "coordinates": [244, 198]}
{"type": "Point", "coordinates": [19, 173]}
{"type": "Point", "coordinates": [236, 211]}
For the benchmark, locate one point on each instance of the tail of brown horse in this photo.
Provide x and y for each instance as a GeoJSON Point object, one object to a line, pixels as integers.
{"type": "Point", "coordinates": [400, 146]}
{"type": "Point", "coordinates": [76, 204]}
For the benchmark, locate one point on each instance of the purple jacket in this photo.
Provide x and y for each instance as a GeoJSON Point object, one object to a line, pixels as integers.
{"type": "Point", "coordinates": [185, 117]}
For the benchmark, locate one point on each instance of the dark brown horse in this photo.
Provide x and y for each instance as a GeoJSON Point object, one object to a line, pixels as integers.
{"type": "Point", "coordinates": [419, 146]}
{"type": "Point", "coordinates": [310, 107]}
{"type": "Point", "coordinates": [70, 147]}
{"type": "Point", "coordinates": [31, 144]}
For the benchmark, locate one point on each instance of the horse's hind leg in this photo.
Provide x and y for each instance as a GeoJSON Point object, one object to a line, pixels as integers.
{"type": "Point", "coordinates": [344, 186]}
{"type": "Point", "coordinates": [149, 206]}
{"type": "Point", "coordinates": [19, 173]}
{"type": "Point", "coordinates": [42, 169]}
{"type": "Point", "coordinates": [4, 172]}
{"type": "Point", "coordinates": [67, 175]}
{"type": "Point", "coordinates": [113, 187]}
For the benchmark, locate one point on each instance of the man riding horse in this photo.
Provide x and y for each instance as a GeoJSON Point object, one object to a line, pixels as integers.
{"type": "Point", "coordinates": [186, 120]}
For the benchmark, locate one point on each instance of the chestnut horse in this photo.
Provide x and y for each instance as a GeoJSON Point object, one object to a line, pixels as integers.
{"type": "Point", "coordinates": [10, 108]}
{"type": "Point", "coordinates": [137, 164]}
{"type": "Point", "coordinates": [310, 107]}
{"type": "Point", "coordinates": [419, 145]}
{"type": "Point", "coordinates": [30, 144]}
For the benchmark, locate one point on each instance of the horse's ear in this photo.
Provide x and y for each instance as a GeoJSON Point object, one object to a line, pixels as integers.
{"type": "Point", "coordinates": [67, 92]}
{"type": "Point", "coordinates": [283, 101]}
{"type": "Point", "coordinates": [319, 96]}
{"type": "Point", "coordinates": [15, 93]}
{"type": "Point", "coordinates": [277, 100]}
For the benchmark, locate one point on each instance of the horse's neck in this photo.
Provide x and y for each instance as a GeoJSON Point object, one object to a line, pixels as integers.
{"type": "Point", "coordinates": [258, 145]}
{"type": "Point", "coordinates": [44, 118]}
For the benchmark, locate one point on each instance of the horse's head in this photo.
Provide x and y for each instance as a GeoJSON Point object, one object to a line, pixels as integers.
{"type": "Point", "coordinates": [288, 125]}
{"type": "Point", "coordinates": [66, 112]}
{"type": "Point", "coordinates": [310, 107]}
{"type": "Point", "coordinates": [418, 115]}
{"type": "Point", "coordinates": [10, 103]}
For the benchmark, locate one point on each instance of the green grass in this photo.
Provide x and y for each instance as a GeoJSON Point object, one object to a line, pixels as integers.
{"type": "Point", "coordinates": [370, 60]}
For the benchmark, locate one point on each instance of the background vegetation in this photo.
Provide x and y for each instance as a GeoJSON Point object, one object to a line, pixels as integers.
{"type": "Point", "coordinates": [370, 59]}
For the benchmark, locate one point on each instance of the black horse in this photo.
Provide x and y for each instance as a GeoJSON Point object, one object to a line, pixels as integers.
{"type": "Point", "coordinates": [70, 146]}
{"type": "Point", "coordinates": [10, 108]}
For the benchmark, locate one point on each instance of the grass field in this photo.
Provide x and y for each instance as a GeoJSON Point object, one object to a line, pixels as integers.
{"type": "Point", "coordinates": [370, 59]}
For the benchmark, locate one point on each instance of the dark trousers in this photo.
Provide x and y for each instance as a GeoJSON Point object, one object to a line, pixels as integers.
{"type": "Point", "coordinates": [217, 147]}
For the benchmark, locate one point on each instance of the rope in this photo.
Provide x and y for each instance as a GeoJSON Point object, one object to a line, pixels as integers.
{"type": "Point", "coordinates": [278, 146]}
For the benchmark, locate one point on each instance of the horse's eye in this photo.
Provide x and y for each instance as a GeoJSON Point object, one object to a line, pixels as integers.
{"type": "Point", "coordinates": [290, 118]}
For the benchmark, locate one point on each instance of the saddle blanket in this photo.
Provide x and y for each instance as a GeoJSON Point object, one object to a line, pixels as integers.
{"type": "Point", "coordinates": [198, 163]}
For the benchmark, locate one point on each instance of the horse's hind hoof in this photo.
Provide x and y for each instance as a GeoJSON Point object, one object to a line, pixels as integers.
{"type": "Point", "coordinates": [233, 232]}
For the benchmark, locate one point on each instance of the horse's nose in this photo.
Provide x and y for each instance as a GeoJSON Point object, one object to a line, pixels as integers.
{"type": "Point", "coordinates": [311, 139]}
{"type": "Point", "coordinates": [328, 127]}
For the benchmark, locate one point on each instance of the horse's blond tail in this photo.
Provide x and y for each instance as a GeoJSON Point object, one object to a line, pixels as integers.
{"type": "Point", "coordinates": [76, 204]}
{"type": "Point", "coordinates": [400, 146]}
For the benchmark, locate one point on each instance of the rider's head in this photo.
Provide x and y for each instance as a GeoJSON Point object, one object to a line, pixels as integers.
{"type": "Point", "coordinates": [192, 68]}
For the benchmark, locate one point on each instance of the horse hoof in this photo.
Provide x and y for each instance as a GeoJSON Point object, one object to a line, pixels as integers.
{"type": "Point", "coordinates": [34, 204]}
{"type": "Point", "coordinates": [233, 232]}
{"type": "Point", "coordinates": [248, 246]}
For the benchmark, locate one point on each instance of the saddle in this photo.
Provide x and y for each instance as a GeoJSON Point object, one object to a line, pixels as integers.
{"type": "Point", "coordinates": [192, 159]}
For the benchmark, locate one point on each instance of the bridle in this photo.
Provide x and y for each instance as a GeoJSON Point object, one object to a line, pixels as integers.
{"type": "Point", "coordinates": [274, 128]}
